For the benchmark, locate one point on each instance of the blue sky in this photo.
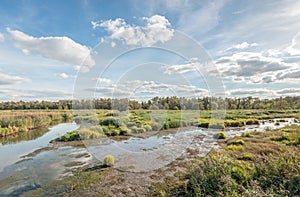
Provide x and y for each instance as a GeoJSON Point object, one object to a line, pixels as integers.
{"type": "Point", "coordinates": [52, 50]}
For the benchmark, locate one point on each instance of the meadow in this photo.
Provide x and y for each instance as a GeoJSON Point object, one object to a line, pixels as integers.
{"type": "Point", "coordinates": [23, 121]}
{"type": "Point", "coordinates": [126, 123]}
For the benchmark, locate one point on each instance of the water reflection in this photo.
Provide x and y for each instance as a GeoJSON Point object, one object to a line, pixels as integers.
{"type": "Point", "coordinates": [23, 136]}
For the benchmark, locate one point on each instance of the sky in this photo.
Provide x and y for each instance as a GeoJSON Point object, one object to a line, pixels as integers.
{"type": "Point", "coordinates": [52, 50]}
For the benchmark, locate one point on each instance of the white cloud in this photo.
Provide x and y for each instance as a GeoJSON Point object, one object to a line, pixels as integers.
{"type": "Point", "coordinates": [291, 74]}
{"type": "Point", "coordinates": [62, 49]}
{"type": "Point", "coordinates": [156, 30]}
{"type": "Point", "coordinates": [142, 89]}
{"type": "Point", "coordinates": [254, 67]}
{"type": "Point", "coordinates": [255, 92]}
{"type": "Point", "coordinates": [243, 45]}
{"type": "Point", "coordinates": [65, 76]}
{"type": "Point", "coordinates": [2, 38]}
{"type": "Point", "coordinates": [8, 79]}
{"type": "Point", "coordinates": [180, 68]}
{"type": "Point", "coordinates": [103, 81]}
{"type": "Point", "coordinates": [29, 94]}
{"type": "Point", "coordinates": [289, 91]}
{"type": "Point", "coordinates": [294, 48]}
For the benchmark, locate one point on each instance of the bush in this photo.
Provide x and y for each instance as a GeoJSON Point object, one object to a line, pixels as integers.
{"type": "Point", "coordinates": [110, 121]}
{"type": "Point", "coordinates": [217, 126]}
{"type": "Point", "coordinates": [147, 127]}
{"type": "Point", "coordinates": [166, 125]}
{"type": "Point", "coordinates": [220, 135]}
{"type": "Point", "coordinates": [111, 114]}
{"type": "Point", "coordinates": [88, 134]}
{"type": "Point", "coordinates": [70, 136]}
{"type": "Point", "coordinates": [237, 142]}
{"type": "Point", "coordinates": [109, 161]}
{"type": "Point", "coordinates": [125, 131]}
{"type": "Point", "coordinates": [155, 126]}
{"type": "Point", "coordinates": [235, 123]}
{"type": "Point", "coordinates": [235, 148]}
{"type": "Point", "coordinates": [203, 124]}
{"type": "Point", "coordinates": [252, 122]}
{"type": "Point", "coordinates": [141, 130]}
{"type": "Point", "coordinates": [174, 124]}
{"type": "Point", "coordinates": [115, 132]}
{"type": "Point", "coordinates": [247, 134]}
{"type": "Point", "coordinates": [134, 129]}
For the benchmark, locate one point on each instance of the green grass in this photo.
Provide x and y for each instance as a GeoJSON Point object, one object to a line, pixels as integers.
{"type": "Point", "coordinates": [15, 122]}
{"type": "Point", "coordinates": [266, 164]}
{"type": "Point", "coordinates": [115, 123]}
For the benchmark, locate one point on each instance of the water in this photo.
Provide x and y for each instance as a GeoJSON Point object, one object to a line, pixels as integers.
{"type": "Point", "coordinates": [12, 152]}
{"type": "Point", "coordinates": [135, 154]}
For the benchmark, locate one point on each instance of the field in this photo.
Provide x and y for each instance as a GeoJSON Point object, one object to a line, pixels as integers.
{"type": "Point", "coordinates": [254, 164]}
{"type": "Point", "coordinates": [126, 123]}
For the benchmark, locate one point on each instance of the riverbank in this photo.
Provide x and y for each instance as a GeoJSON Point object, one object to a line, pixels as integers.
{"type": "Point", "coordinates": [13, 123]}
{"type": "Point", "coordinates": [178, 177]}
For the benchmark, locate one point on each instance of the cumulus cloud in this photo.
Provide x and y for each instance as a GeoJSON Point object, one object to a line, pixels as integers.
{"type": "Point", "coordinates": [29, 94]}
{"type": "Point", "coordinates": [138, 88]}
{"type": "Point", "coordinates": [253, 66]}
{"type": "Point", "coordinates": [9, 79]}
{"type": "Point", "coordinates": [294, 48]}
{"type": "Point", "coordinates": [251, 92]}
{"type": "Point", "coordinates": [240, 46]}
{"type": "Point", "coordinates": [103, 80]}
{"type": "Point", "coordinates": [261, 92]}
{"type": "Point", "coordinates": [2, 38]}
{"type": "Point", "coordinates": [65, 76]}
{"type": "Point", "coordinates": [180, 68]}
{"type": "Point", "coordinates": [62, 49]}
{"type": "Point", "coordinates": [289, 91]}
{"type": "Point", "coordinates": [157, 29]}
{"type": "Point", "coordinates": [289, 75]}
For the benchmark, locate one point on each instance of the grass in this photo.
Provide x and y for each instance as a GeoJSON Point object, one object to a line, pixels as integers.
{"type": "Point", "coordinates": [266, 164]}
{"type": "Point", "coordinates": [114, 123]}
{"type": "Point", "coordinates": [256, 164]}
{"type": "Point", "coordinates": [15, 122]}
{"type": "Point", "coordinates": [220, 135]}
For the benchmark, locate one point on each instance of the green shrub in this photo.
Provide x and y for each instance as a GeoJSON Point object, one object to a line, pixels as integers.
{"type": "Point", "coordinates": [147, 127]}
{"type": "Point", "coordinates": [247, 134]}
{"type": "Point", "coordinates": [110, 121]}
{"type": "Point", "coordinates": [115, 132]}
{"type": "Point", "coordinates": [252, 122]}
{"type": "Point", "coordinates": [88, 134]}
{"type": "Point", "coordinates": [141, 130]}
{"type": "Point", "coordinates": [174, 124]}
{"type": "Point", "coordinates": [216, 125]}
{"type": "Point", "coordinates": [203, 124]}
{"type": "Point", "coordinates": [220, 135]}
{"type": "Point", "coordinates": [237, 142]}
{"type": "Point", "coordinates": [247, 157]}
{"type": "Point", "coordinates": [112, 114]}
{"type": "Point", "coordinates": [70, 136]}
{"type": "Point", "coordinates": [134, 129]}
{"type": "Point", "coordinates": [155, 126]}
{"type": "Point", "coordinates": [235, 123]}
{"type": "Point", "coordinates": [166, 125]}
{"type": "Point", "coordinates": [235, 148]}
{"type": "Point", "coordinates": [125, 131]}
{"type": "Point", "coordinates": [109, 161]}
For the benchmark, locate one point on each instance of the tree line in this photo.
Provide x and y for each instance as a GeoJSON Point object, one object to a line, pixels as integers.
{"type": "Point", "coordinates": [167, 103]}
